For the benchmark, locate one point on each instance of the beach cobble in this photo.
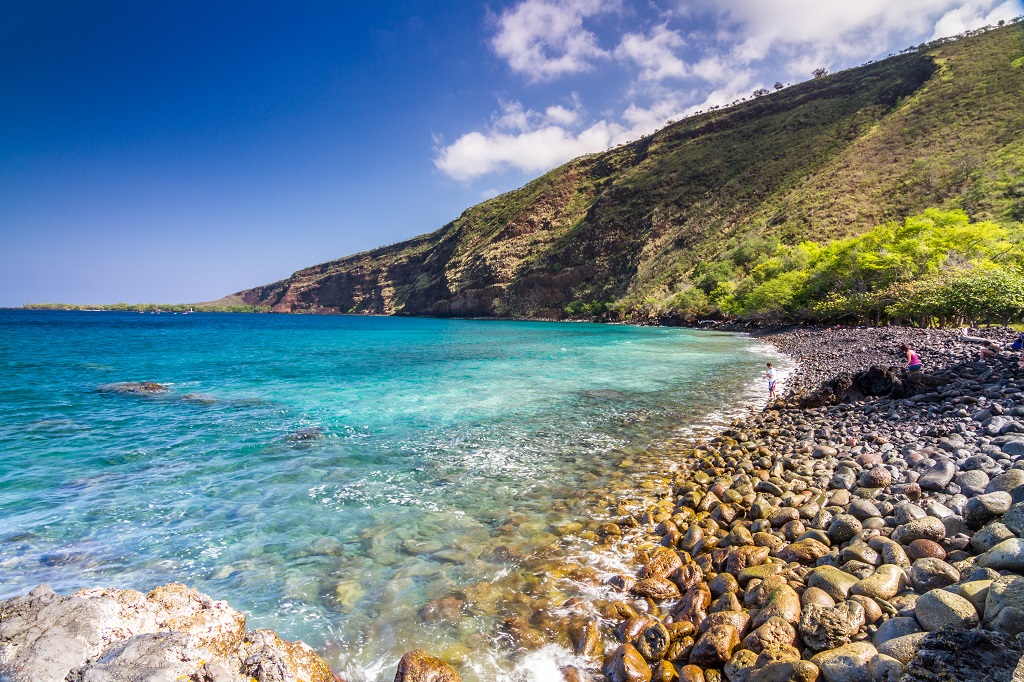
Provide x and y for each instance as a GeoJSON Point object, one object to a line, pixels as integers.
{"type": "Point", "coordinates": [850, 531]}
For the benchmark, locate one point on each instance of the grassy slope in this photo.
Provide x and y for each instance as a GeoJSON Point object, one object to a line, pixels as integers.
{"type": "Point", "coordinates": [823, 159]}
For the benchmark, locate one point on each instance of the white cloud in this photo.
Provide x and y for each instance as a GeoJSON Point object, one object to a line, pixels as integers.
{"type": "Point", "coordinates": [974, 15]}
{"type": "Point", "coordinates": [713, 52]}
{"type": "Point", "coordinates": [654, 54]}
{"type": "Point", "coordinates": [547, 143]}
{"type": "Point", "coordinates": [544, 39]}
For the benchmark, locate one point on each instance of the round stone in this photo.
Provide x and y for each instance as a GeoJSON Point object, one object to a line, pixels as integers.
{"type": "Point", "coordinates": [983, 508]}
{"type": "Point", "coordinates": [876, 477]}
{"type": "Point", "coordinates": [848, 663]}
{"type": "Point", "coordinates": [919, 549]}
{"type": "Point", "coordinates": [843, 527]}
{"type": "Point", "coordinates": [972, 482]}
{"type": "Point", "coordinates": [939, 609]}
{"type": "Point", "coordinates": [1008, 555]}
{"type": "Point", "coordinates": [929, 574]}
{"type": "Point", "coordinates": [927, 528]}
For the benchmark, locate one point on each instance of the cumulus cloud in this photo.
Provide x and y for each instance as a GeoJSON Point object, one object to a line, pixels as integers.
{"type": "Point", "coordinates": [696, 55]}
{"type": "Point", "coordinates": [544, 39]}
{"type": "Point", "coordinates": [974, 15]}
{"type": "Point", "coordinates": [654, 54]}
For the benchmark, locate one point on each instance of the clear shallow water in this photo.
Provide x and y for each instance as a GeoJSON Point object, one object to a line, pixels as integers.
{"type": "Point", "coordinates": [333, 476]}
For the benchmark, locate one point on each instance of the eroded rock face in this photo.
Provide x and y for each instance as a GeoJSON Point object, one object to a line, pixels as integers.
{"type": "Point", "coordinates": [172, 633]}
{"type": "Point", "coordinates": [419, 666]}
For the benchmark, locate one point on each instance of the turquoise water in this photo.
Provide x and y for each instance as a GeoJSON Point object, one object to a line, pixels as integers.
{"type": "Point", "coordinates": [331, 476]}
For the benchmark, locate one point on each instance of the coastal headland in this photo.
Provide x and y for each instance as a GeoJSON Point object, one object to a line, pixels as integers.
{"type": "Point", "coordinates": [866, 526]}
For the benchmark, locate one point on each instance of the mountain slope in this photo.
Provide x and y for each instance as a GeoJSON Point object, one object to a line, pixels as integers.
{"type": "Point", "coordinates": [939, 127]}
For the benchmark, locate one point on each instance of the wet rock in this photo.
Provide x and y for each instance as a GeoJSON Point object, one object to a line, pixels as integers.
{"type": "Point", "coordinates": [884, 583]}
{"type": "Point", "coordinates": [964, 656]}
{"type": "Point", "coordinates": [421, 667]}
{"type": "Point", "coordinates": [774, 633]}
{"type": "Point", "coordinates": [715, 646]}
{"type": "Point", "coordinates": [585, 637]}
{"type": "Point", "coordinates": [832, 581]}
{"type": "Point", "coordinates": [829, 628]}
{"type": "Point", "coordinates": [739, 667]}
{"type": "Point", "coordinates": [786, 671]}
{"type": "Point", "coordinates": [626, 664]}
{"type": "Point", "coordinates": [653, 641]}
{"type": "Point", "coordinates": [938, 609]}
{"type": "Point", "coordinates": [928, 528]}
{"type": "Point", "coordinates": [662, 564]}
{"type": "Point", "coordinates": [803, 551]}
{"type": "Point", "coordinates": [848, 663]}
{"type": "Point", "coordinates": [723, 583]}
{"type": "Point", "coordinates": [739, 619]}
{"type": "Point", "coordinates": [655, 588]}
{"type": "Point", "coordinates": [784, 603]}
{"type": "Point", "coordinates": [664, 671]}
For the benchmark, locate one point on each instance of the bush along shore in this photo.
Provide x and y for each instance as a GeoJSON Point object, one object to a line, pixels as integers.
{"type": "Point", "coordinates": [868, 526]}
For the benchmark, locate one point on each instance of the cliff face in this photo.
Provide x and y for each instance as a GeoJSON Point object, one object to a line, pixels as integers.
{"type": "Point", "coordinates": [827, 158]}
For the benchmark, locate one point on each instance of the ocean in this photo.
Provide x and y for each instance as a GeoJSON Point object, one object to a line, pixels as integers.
{"type": "Point", "coordinates": [369, 485]}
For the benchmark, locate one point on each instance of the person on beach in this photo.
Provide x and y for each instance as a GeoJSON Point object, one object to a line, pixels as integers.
{"type": "Point", "coordinates": [770, 376]}
{"type": "Point", "coordinates": [913, 361]}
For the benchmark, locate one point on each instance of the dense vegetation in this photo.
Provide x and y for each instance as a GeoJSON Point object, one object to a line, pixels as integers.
{"type": "Point", "coordinates": [936, 268]}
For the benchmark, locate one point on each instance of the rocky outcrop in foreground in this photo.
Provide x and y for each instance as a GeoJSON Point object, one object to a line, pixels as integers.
{"type": "Point", "coordinates": [172, 634]}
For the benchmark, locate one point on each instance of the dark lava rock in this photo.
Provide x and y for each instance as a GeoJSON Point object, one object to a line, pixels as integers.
{"type": "Point", "coordinates": [964, 656]}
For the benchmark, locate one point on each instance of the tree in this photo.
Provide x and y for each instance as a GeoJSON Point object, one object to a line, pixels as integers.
{"type": "Point", "coordinates": [820, 72]}
{"type": "Point", "coordinates": [778, 85]}
{"type": "Point", "coordinates": [760, 92]}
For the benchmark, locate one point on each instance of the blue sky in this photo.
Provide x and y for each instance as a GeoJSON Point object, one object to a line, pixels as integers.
{"type": "Point", "coordinates": [177, 152]}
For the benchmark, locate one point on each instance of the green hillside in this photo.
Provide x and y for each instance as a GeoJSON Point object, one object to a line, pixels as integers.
{"type": "Point", "coordinates": [639, 230]}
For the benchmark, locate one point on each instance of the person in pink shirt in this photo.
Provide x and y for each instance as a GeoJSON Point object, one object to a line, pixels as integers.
{"type": "Point", "coordinates": [913, 361]}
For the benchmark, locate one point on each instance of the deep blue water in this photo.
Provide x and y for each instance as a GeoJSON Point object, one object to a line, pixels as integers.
{"type": "Point", "coordinates": [329, 475]}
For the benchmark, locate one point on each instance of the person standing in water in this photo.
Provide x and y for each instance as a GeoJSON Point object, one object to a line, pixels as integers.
{"type": "Point", "coordinates": [913, 361]}
{"type": "Point", "coordinates": [770, 376]}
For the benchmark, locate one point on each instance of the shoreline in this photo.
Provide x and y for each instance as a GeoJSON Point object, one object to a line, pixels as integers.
{"type": "Point", "coordinates": [645, 532]}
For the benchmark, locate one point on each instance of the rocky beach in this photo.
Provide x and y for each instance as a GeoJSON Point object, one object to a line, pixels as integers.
{"type": "Point", "coordinates": [866, 526]}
